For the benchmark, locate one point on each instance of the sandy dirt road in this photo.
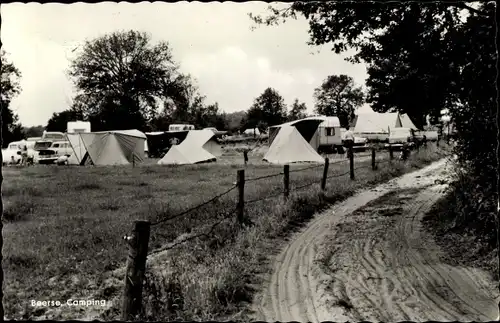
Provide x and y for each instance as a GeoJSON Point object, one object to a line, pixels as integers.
{"type": "Point", "coordinates": [369, 259]}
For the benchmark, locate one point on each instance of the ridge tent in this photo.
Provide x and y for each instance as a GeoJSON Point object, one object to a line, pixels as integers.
{"type": "Point", "coordinates": [406, 122]}
{"type": "Point", "coordinates": [78, 149]}
{"type": "Point", "coordinates": [158, 142]}
{"type": "Point", "coordinates": [120, 147]}
{"type": "Point", "coordinates": [374, 125]}
{"type": "Point", "coordinates": [199, 146]}
{"type": "Point", "coordinates": [252, 132]}
{"type": "Point", "coordinates": [307, 128]}
{"type": "Point", "coordinates": [289, 146]}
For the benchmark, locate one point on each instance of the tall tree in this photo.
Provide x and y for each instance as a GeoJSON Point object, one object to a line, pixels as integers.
{"type": "Point", "coordinates": [59, 120]}
{"type": "Point", "coordinates": [236, 120]}
{"type": "Point", "coordinates": [35, 131]}
{"type": "Point", "coordinates": [267, 110]}
{"type": "Point", "coordinates": [338, 96]}
{"type": "Point", "coordinates": [297, 111]}
{"type": "Point", "coordinates": [121, 76]}
{"type": "Point", "coordinates": [408, 48]}
{"type": "Point", "coordinates": [423, 57]}
{"type": "Point", "coordinates": [10, 76]}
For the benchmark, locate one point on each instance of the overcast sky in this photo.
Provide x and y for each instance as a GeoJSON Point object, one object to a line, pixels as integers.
{"type": "Point", "coordinates": [212, 41]}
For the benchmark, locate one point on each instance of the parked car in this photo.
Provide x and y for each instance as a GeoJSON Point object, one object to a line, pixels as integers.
{"type": "Point", "coordinates": [56, 149]}
{"type": "Point", "coordinates": [12, 154]}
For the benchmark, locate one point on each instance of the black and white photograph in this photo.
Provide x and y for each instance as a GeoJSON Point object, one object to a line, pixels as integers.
{"type": "Point", "coordinates": [303, 161]}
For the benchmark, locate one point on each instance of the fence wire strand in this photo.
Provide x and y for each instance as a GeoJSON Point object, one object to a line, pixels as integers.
{"type": "Point", "coordinates": [198, 235]}
{"type": "Point", "coordinates": [305, 168]}
{"type": "Point", "coordinates": [262, 177]}
{"type": "Point", "coordinates": [194, 208]}
{"type": "Point", "coordinates": [253, 179]}
{"type": "Point", "coordinates": [264, 198]}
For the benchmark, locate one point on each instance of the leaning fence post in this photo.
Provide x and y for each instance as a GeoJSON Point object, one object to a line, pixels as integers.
{"type": "Point", "coordinates": [241, 195]}
{"type": "Point", "coordinates": [325, 174]}
{"type": "Point", "coordinates": [351, 162]}
{"type": "Point", "coordinates": [286, 180]}
{"type": "Point", "coordinates": [373, 159]}
{"type": "Point", "coordinates": [136, 267]}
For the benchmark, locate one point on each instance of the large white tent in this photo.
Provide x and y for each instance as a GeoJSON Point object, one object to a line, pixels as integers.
{"type": "Point", "coordinates": [289, 146]}
{"type": "Point", "coordinates": [120, 147]}
{"type": "Point", "coordinates": [199, 146]}
{"type": "Point", "coordinates": [376, 123]}
{"type": "Point", "coordinates": [406, 122]}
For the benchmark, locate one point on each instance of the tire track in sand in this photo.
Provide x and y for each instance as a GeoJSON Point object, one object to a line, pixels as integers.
{"type": "Point", "coordinates": [398, 276]}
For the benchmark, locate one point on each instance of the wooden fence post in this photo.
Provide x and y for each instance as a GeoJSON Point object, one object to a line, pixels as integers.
{"type": "Point", "coordinates": [351, 162]}
{"type": "Point", "coordinates": [325, 174]}
{"type": "Point", "coordinates": [241, 196]}
{"type": "Point", "coordinates": [136, 267]}
{"type": "Point", "coordinates": [286, 180]}
{"type": "Point", "coordinates": [391, 155]}
{"type": "Point", "coordinates": [373, 159]}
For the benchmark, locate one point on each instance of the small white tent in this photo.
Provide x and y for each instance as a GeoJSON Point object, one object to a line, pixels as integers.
{"type": "Point", "coordinates": [290, 147]}
{"type": "Point", "coordinates": [108, 147]}
{"type": "Point", "coordinates": [199, 146]}
{"type": "Point", "coordinates": [252, 132]}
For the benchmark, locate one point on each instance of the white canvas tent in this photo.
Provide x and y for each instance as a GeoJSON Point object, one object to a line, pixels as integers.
{"type": "Point", "coordinates": [199, 146]}
{"type": "Point", "coordinates": [406, 122]}
{"type": "Point", "coordinates": [107, 147]}
{"type": "Point", "coordinates": [375, 122]}
{"type": "Point", "coordinates": [78, 147]}
{"type": "Point", "coordinates": [290, 147]}
{"type": "Point", "coordinates": [252, 132]}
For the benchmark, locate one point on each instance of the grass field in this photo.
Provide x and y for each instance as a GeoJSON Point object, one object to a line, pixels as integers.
{"type": "Point", "coordinates": [64, 226]}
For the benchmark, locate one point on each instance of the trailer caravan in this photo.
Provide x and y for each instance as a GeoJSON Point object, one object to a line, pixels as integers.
{"type": "Point", "coordinates": [78, 126]}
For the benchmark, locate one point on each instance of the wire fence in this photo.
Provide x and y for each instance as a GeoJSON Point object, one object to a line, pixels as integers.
{"type": "Point", "coordinates": [138, 241]}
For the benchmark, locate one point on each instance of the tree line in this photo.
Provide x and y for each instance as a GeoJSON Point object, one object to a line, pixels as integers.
{"type": "Point", "coordinates": [124, 81]}
{"type": "Point", "coordinates": [422, 58]}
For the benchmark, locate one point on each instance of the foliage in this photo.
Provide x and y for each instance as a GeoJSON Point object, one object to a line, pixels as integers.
{"type": "Point", "coordinates": [421, 58]}
{"type": "Point", "coordinates": [267, 110]}
{"type": "Point", "coordinates": [235, 120]}
{"type": "Point", "coordinates": [408, 48]}
{"type": "Point", "coordinates": [298, 111]}
{"type": "Point", "coordinates": [10, 75]}
{"type": "Point", "coordinates": [35, 131]}
{"type": "Point", "coordinates": [338, 96]}
{"type": "Point", "coordinates": [120, 78]}
{"type": "Point", "coordinates": [59, 120]}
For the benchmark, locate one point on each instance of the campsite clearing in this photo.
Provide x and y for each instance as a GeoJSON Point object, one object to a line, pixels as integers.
{"type": "Point", "coordinates": [64, 226]}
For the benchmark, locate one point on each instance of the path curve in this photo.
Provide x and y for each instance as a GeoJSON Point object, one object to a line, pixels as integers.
{"type": "Point", "coordinates": [392, 279]}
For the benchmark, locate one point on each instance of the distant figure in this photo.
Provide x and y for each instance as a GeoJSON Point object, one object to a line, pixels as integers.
{"type": "Point", "coordinates": [348, 141]}
{"type": "Point", "coordinates": [245, 156]}
{"type": "Point", "coordinates": [405, 153]}
{"type": "Point", "coordinates": [24, 156]}
{"type": "Point", "coordinates": [424, 140]}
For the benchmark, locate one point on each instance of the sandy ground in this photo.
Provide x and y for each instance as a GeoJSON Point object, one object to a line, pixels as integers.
{"type": "Point", "coordinates": [369, 259]}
